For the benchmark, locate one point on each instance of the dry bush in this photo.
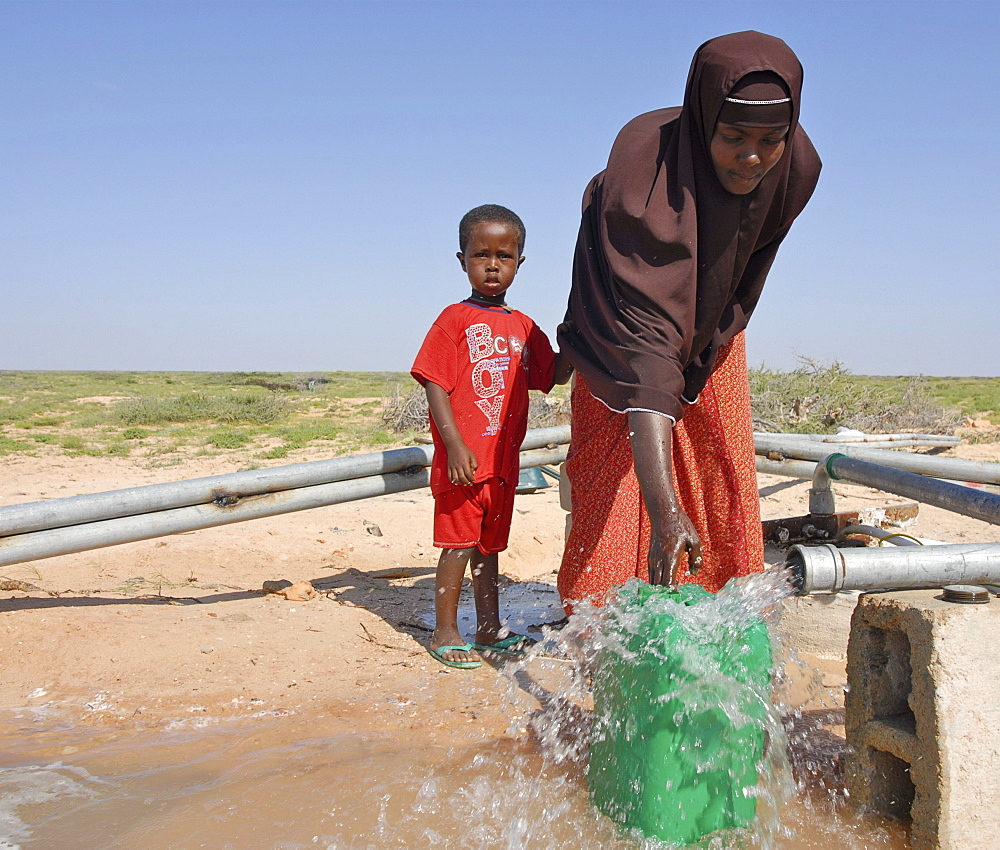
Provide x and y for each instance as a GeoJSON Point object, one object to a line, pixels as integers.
{"type": "Point", "coordinates": [819, 398]}
{"type": "Point", "coordinates": [991, 435]}
{"type": "Point", "coordinates": [408, 412]}
{"type": "Point", "coordinates": [401, 413]}
{"type": "Point", "coordinates": [196, 407]}
{"type": "Point", "coordinates": [546, 411]}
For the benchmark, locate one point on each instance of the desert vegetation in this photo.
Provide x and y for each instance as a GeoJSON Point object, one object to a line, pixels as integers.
{"type": "Point", "coordinates": [165, 416]}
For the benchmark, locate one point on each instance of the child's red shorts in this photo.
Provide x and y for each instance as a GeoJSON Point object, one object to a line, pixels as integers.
{"type": "Point", "coordinates": [477, 515]}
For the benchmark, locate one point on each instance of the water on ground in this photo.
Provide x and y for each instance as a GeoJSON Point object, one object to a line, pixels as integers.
{"type": "Point", "coordinates": [303, 781]}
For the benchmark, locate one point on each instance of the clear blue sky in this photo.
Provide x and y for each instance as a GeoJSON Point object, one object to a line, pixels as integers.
{"type": "Point", "coordinates": [277, 185]}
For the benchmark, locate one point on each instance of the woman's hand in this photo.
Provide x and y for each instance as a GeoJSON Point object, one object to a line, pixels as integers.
{"type": "Point", "coordinates": [672, 534]}
{"type": "Point", "coordinates": [671, 537]}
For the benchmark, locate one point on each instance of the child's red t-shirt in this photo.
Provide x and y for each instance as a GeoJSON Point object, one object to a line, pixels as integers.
{"type": "Point", "coordinates": [486, 359]}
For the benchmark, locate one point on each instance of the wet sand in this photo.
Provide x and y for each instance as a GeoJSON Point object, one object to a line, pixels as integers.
{"type": "Point", "coordinates": [173, 637]}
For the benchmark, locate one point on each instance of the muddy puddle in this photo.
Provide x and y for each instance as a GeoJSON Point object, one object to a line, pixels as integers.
{"type": "Point", "coordinates": [285, 783]}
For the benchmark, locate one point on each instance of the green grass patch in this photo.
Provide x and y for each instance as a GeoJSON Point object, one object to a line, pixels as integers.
{"type": "Point", "coordinates": [40, 422]}
{"type": "Point", "coordinates": [49, 438]}
{"type": "Point", "coordinates": [195, 407]}
{"type": "Point", "coordinates": [277, 452]}
{"type": "Point", "coordinates": [228, 439]}
{"type": "Point", "coordinates": [978, 398]}
{"type": "Point", "coordinates": [9, 446]}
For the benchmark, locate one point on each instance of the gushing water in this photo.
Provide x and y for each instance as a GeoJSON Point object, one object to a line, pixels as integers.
{"type": "Point", "coordinates": [671, 700]}
{"type": "Point", "coordinates": [719, 704]}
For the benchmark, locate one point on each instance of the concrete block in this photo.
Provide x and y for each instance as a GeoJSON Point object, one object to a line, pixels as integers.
{"type": "Point", "coordinates": [819, 625]}
{"type": "Point", "coordinates": [922, 716]}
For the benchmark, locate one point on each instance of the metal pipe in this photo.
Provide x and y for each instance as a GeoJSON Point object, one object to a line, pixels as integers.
{"type": "Point", "coordinates": [890, 444]}
{"type": "Point", "coordinates": [543, 457]}
{"type": "Point", "coordinates": [939, 467]}
{"type": "Point", "coordinates": [827, 569]}
{"type": "Point", "coordinates": [942, 494]}
{"type": "Point", "coordinates": [897, 444]}
{"type": "Point", "coordinates": [57, 513]}
{"type": "Point", "coordinates": [48, 543]}
{"type": "Point", "coordinates": [791, 468]}
{"type": "Point", "coordinates": [904, 439]}
{"type": "Point", "coordinates": [75, 510]}
{"type": "Point", "coordinates": [128, 529]}
{"type": "Point", "coordinates": [821, 499]}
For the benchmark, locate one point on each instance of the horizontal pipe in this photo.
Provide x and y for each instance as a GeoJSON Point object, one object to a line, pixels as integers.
{"type": "Point", "coordinates": [939, 467]}
{"type": "Point", "coordinates": [894, 444]}
{"type": "Point", "coordinates": [790, 468]}
{"type": "Point", "coordinates": [48, 543]}
{"type": "Point", "coordinates": [941, 494]}
{"type": "Point", "coordinates": [929, 439]}
{"type": "Point", "coordinates": [75, 510]}
{"type": "Point", "coordinates": [827, 569]}
{"type": "Point", "coordinates": [543, 457]}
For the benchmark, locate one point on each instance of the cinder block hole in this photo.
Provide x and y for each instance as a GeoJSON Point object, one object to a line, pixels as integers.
{"type": "Point", "coordinates": [892, 788]}
{"type": "Point", "coordinates": [889, 676]}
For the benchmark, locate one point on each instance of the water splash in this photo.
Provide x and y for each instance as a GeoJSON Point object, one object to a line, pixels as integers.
{"type": "Point", "coordinates": [599, 647]}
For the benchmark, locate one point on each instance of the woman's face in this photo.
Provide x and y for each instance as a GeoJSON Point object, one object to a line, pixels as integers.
{"type": "Point", "coordinates": [743, 155]}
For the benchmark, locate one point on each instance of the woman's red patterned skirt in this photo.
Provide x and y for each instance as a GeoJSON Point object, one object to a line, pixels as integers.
{"type": "Point", "coordinates": [714, 474]}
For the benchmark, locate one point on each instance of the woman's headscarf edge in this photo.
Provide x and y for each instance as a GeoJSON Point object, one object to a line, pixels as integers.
{"type": "Point", "coordinates": [708, 60]}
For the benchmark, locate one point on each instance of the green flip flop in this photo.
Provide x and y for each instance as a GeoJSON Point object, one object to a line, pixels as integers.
{"type": "Point", "coordinates": [462, 665]}
{"type": "Point", "coordinates": [515, 644]}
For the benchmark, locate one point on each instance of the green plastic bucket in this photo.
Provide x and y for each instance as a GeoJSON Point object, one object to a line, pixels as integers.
{"type": "Point", "coordinates": [679, 702]}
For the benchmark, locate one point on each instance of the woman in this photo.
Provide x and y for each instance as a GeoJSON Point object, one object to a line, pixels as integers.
{"type": "Point", "coordinates": [677, 237]}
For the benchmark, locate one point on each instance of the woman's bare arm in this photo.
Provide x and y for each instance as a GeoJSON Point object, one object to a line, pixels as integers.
{"type": "Point", "coordinates": [563, 368]}
{"type": "Point", "coordinates": [671, 531]}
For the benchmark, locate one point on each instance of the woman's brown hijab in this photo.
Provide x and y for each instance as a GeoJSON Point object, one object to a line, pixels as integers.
{"type": "Point", "coordinates": [669, 265]}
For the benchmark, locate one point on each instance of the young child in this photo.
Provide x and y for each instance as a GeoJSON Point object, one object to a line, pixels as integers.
{"type": "Point", "coordinates": [477, 364]}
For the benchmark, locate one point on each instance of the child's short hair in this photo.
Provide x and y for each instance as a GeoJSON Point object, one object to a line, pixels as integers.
{"type": "Point", "coordinates": [490, 213]}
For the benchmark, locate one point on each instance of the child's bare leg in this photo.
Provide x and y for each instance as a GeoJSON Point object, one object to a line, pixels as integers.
{"type": "Point", "coordinates": [485, 578]}
{"type": "Point", "coordinates": [447, 589]}
{"type": "Point", "coordinates": [484, 584]}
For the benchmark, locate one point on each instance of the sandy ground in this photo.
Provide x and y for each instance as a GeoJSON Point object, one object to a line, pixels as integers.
{"type": "Point", "coordinates": [161, 632]}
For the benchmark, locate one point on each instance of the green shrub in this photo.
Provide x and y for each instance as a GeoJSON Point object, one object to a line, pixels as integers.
{"type": "Point", "coordinates": [7, 445]}
{"type": "Point", "coordinates": [195, 407]}
{"type": "Point", "coordinates": [276, 452]}
{"type": "Point", "coordinates": [819, 398]}
{"type": "Point", "coordinates": [229, 439]}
